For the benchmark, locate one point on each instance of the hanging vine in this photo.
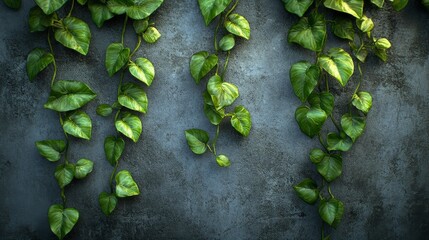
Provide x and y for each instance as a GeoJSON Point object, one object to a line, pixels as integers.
{"type": "Point", "coordinates": [219, 94]}
{"type": "Point", "coordinates": [312, 84]}
{"type": "Point", "coordinates": [66, 98]}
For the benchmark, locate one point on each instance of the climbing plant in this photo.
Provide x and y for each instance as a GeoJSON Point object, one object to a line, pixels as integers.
{"type": "Point", "coordinates": [312, 83]}
{"type": "Point", "coordinates": [67, 97]}
{"type": "Point", "coordinates": [219, 94]}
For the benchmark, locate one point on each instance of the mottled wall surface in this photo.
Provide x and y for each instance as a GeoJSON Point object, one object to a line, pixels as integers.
{"type": "Point", "coordinates": [385, 182]}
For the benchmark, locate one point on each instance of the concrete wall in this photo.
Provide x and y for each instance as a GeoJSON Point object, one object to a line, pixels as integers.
{"type": "Point", "coordinates": [386, 174]}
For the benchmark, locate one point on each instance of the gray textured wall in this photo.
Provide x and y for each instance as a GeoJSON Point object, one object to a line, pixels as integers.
{"type": "Point", "coordinates": [385, 185]}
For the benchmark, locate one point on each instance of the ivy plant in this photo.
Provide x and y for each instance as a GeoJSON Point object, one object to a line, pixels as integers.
{"type": "Point", "coordinates": [131, 96]}
{"type": "Point", "coordinates": [219, 94]}
{"type": "Point", "coordinates": [312, 83]}
{"type": "Point", "coordinates": [67, 97]}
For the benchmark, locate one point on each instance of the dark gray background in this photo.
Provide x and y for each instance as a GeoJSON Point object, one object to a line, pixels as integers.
{"type": "Point", "coordinates": [385, 182]}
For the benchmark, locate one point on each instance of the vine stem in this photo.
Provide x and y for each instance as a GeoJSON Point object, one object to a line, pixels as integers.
{"type": "Point", "coordinates": [112, 176]}
{"type": "Point", "coordinates": [360, 79]}
{"type": "Point", "coordinates": [330, 192]}
{"type": "Point", "coordinates": [322, 143]}
{"type": "Point", "coordinates": [63, 197]}
{"type": "Point", "coordinates": [71, 9]}
{"type": "Point", "coordinates": [232, 9]}
{"type": "Point", "coordinates": [54, 63]}
{"type": "Point", "coordinates": [124, 27]}
{"type": "Point", "coordinates": [215, 35]}
{"type": "Point", "coordinates": [139, 42]}
{"type": "Point", "coordinates": [335, 123]}
{"type": "Point", "coordinates": [215, 139]}
{"type": "Point", "coordinates": [226, 64]}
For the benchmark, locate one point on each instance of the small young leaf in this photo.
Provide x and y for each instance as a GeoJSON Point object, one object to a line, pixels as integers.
{"type": "Point", "coordinates": [298, 7]}
{"type": "Point", "coordinates": [140, 26]}
{"type": "Point", "coordinates": [317, 155]}
{"type": "Point", "coordinates": [74, 34]}
{"type": "Point", "coordinates": [38, 21]}
{"type": "Point", "coordinates": [336, 142]}
{"type": "Point", "coordinates": [241, 120]}
{"type": "Point", "coordinates": [62, 220]}
{"type": "Point", "coordinates": [143, 70]}
{"type": "Point", "coordinates": [212, 8]}
{"type": "Point", "coordinates": [113, 148]}
{"type": "Point", "coordinates": [304, 77]}
{"type": "Point", "coordinates": [51, 149]}
{"type": "Point", "coordinates": [398, 5]}
{"type": "Point", "coordinates": [323, 100]}
{"type": "Point", "coordinates": [50, 6]}
{"type": "Point", "coordinates": [83, 168]}
{"type": "Point", "coordinates": [362, 101]}
{"type": "Point", "coordinates": [107, 202]}
{"type": "Point", "coordinates": [331, 211]}
{"type": "Point", "coordinates": [307, 190]}
{"type": "Point", "coordinates": [135, 9]}
{"type": "Point", "coordinates": [310, 120]}
{"type": "Point", "coordinates": [104, 110]}
{"type": "Point", "coordinates": [78, 124]}
{"type": "Point", "coordinates": [130, 125]}
{"type": "Point", "coordinates": [116, 57]}
{"type": "Point", "coordinates": [352, 7]}
{"type": "Point", "coordinates": [227, 42]}
{"type": "Point", "coordinates": [99, 13]}
{"type": "Point", "coordinates": [133, 97]}
{"type": "Point", "coordinates": [343, 28]}
{"type": "Point", "coordinates": [37, 60]}
{"type": "Point", "coordinates": [223, 94]}
{"type": "Point", "coordinates": [215, 117]}
{"type": "Point", "coordinates": [238, 25]}
{"type": "Point", "coordinates": [353, 125]}
{"type": "Point", "coordinates": [309, 32]}
{"type": "Point", "coordinates": [223, 161]}
{"type": "Point", "coordinates": [381, 53]}
{"type": "Point", "coordinates": [125, 185]}
{"type": "Point", "coordinates": [330, 167]}
{"type": "Point", "coordinates": [338, 64]}
{"type": "Point", "coordinates": [201, 64]}
{"type": "Point", "coordinates": [197, 140]}
{"type": "Point", "coordinates": [151, 35]}
{"type": "Point", "coordinates": [365, 24]}
{"type": "Point", "coordinates": [64, 173]}
{"type": "Point", "coordinates": [69, 95]}
{"type": "Point", "coordinates": [382, 43]}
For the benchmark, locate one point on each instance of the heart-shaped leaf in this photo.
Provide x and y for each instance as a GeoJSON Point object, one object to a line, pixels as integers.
{"type": "Point", "coordinates": [365, 24]}
{"type": "Point", "coordinates": [330, 167]}
{"type": "Point", "coordinates": [309, 32]}
{"type": "Point", "coordinates": [307, 190]}
{"type": "Point", "coordinates": [241, 120]}
{"type": "Point", "coordinates": [64, 173]}
{"type": "Point", "coordinates": [130, 125]}
{"type": "Point", "coordinates": [215, 117]}
{"type": "Point", "coordinates": [212, 8]}
{"type": "Point", "coordinates": [362, 101]}
{"type": "Point", "coordinates": [197, 140]}
{"type": "Point", "coordinates": [323, 100]}
{"type": "Point", "coordinates": [38, 21]}
{"type": "Point", "coordinates": [74, 34]}
{"type": "Point", "coordinates": [304, 77]}
{"type": "Point", "coordinates": [353, 125]}
{"type": "Point", "coordinates": [37, 60]}
{"type": "Point", "coordinates": [336, 142]}
{"type": "Point", "coordinates": [83, 168]}
{"type": "Point", "coordinates": [99, 12]}
{"type": "Point", "coordinates": [201, 64]}
{"type": "Point", "coordinates": [338, 64]}
{"type": "Point", "coordinates": [238, 25]}
{"type": "Point", "coordinates": [223, 94]}
{"type": "Point", "coordinates": [343, 28]}
{"type": "Point", "coordinates": [317, 155]}
{"type": "Point", "coordinates": [116, 57]}
{"type": "Point", "coordinates": [398, 5]}
{"type": "Point", "coordinates": [227, 42]}
{"type": "Point", "coordinates": [151, 35]}
{"type": "Point", "coordinates": [140, 26]}
{"type": "Point", "coordinates": [50, 6]}
{"type": "Point", "coordinates": [78, 124]}
{"type": "Point", "coordinates": [69, 95]}
{"type": "Point", "coordinates": [113, 148]}
{"type": "Point", "coordinates": [135, 9]}
{"type": "Point", "coordinates": [107, 202]}
{"type": "Point", "coordinates": [133, 97]}
{"type": "Point", "coordinates": [310, 120]}
{"type": "Point", "coordinates": [298, 7]}
{"type": "Point", "coordinates": [331, 211]}
{"type": "Point", "coordinates": [143, 70]}
{"type": "Point", "coordinates": [125, 185]}
{"type": "Point", "coordinates": [352, 7]}
{"type": "Point", "coordinates": [51, 149]}
{"type": "Point", "coordinates": [104, 110]}
{"type": "Point", "coordinates": [382, 43]}
{"type": "Point", "coordinates": [223, 161]}
{"type": "Point", "coordinates": [378, 3]}
{"type": "Point", "coordinates": [62, 220]}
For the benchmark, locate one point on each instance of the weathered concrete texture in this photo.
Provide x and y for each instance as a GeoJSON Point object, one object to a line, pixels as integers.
{"type": "Point", "coordinates": [386, 174]}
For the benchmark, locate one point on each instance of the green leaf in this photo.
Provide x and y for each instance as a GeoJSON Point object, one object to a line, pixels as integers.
{"type": "Point", "coordinates": [37, 60]}
{"type": "Point", "coordinates": [64, 173]}
{"type": "Point", "coordinates": [201, 64]}
{"type": "Point", "coordinates": [343, 28]}
{"type": "Point", "coordinates": [381, 53]}
{"type": "Point", "coordinates": [310, 120]}
{"type": "Point", "coordinates": [135, 9]}
{"type": "Point", "coordinates": [330, 167]}
{"type": "Point", "coordinates": [298, 7]}
{"type": "Point", "coordinates": [116, 57]}
{"type": "Point", "coordinates": [140, 26]}
{"type": "Point", "coordinates": [113, 148]}
{"type": "Point", "coordinates": [104, 110]}
{"type": "Point", "coordinates": [339, 143]}
{"type": "Point", "coordinates": [212, 8]}
{"type": "Point", "coordinates": [151, 35]}
{"type": "Point", "coordinates": [241, 120]}
{"type": "Point", "coordinates": [14, 4]}
{"type": "Point", "coordinates": [360, 52]}
{"type": "Point", "coordinates": [362, 101]}
{"type": "Point", "coordinates": [309, 32]}
{"type": "Point", "coordinates": [338, 64]}
{"type": "Point", "coordinates": [331, 211]}
{"type": "Point", "coordinates": [133, 97]}
{"type": "Point", "coordinates": [99, 13]}
{"type": "Point", "coordinates": [323, 100]}
{"type": "Point", "coordinates": [382, 43]}
{"type": "Point", "coordinates": [83, 168]}
{"type": "Point", "coordinates": [38, 21]}
{"type": "Point", "coordinates": [352, 7]}
{"type": "Point", "coordinates": [307, 190]}
{"type": "Point", "coordinates": [398, 5]}
{"type": "Point", "coordinates": [78, 124]}
{"type": "Point", "coordinates": [107, 202]}
{"type": "Point", "coordinates": [353, 125]}
{"type": "Point", "coordinates": [378, 3]}
{"type": "Point", "coordinates": [50, 6]}
{"type": "Point", "coordinates": [365, 24]}
{"type": "Point", "coordinates": [74, 34]}
{"type": "Point", "coordinates": [238, 25]}
{"type": "Point", "coordinates": [125, 185]}
{"type": "Point", "coordinates": [143, 70]}
{"type": "Point", "coordinates": [223, 161]}
{"type": "Point", "coordinates": [426, 3]}
{"type": "Point", "coordinates": [62, 220]}
{"type": "Point", "coordinates": [197, 140]}
{"type": "Point", "coordinates": [317, 155]}
{"type": "Point", "coordinates": [227, 42]}
{"type": "Point", "coordinates": [69, 95]}
{"type": "Point", "coordinates": [130, 125]}
{"type": "Point", "coordinates": [215, 117]}
{"type": "Point", "coordinates": [223, 94]}
{"type": "Point", "coordinates": [304, 77]}
{"type": "Point", "coordinates": [51, 149]}
{"type": "Point", "coordinates": [82, 2]}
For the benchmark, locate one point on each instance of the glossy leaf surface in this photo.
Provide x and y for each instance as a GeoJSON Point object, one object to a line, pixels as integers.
{"type": "Point", "coordinates": [352, 7]}
{"type": "Point", "coordinates": [69, 95]}
{"type": "Point", "coordinates": [125, 185]}
{"type": "Point", "coordinates": [323, 100]}
{"type": "Point", "coordinates": [50, 6]}
{"type": "Point", "coordinates": [51, 149]}
{"type": "Point", "coordinates": [197, 140]}
{"type": "Point", "coordinates": [133, 97]}
{"type": "Point", "coordinates": [310, 120]}
{"type": "Point", "coordinates": [64, 173]}
{"type": "Point", "coordinates": [338, 64]}
{"type": "Point", "coordinates": [339, 143]}
{"type": "Point", "coordinates": [135, 9]}
{"type": "Point", "coordinates": [74, 34]}
{"type": "Point", "coordinates": [241, 120]}
{"type": "Point", "coordinates": [201, 64]}
{"type": "Point", "coordinates": [353, 125]}
{"type": "Point", "coordinates": [62, 220]}
{"type": "Point", "coordinates": [78, 124]}
{"type": "Point", "coordinates": [215, 117]}
{"type": "Point", "coordinates": [227, 42]}
{"type": "Point", "coordinates": [330, 167]}
{"type": "Point", "coordinates": [37, 60]}
{"type": "Point", "coordinates": [304, 78]}
{"type": "Point", "coordinates": [331, 211]}
{"type": "Point", "coordinates": [116, 57]}
{"type": "Point", "coordinates": [238, 25]}
{"type": "Point", "coordinates": [362, 101]}
{"type": "Point", "coordinates": [223, 161]}
{"type": "Point", "coordinates": [212, 8]}
{"type": "Point", "coordinates": [130, 125]}
{"type": "Point", "coordinates": [309, 32]}
{"type": "Point", "coordinates": [298, 7]}
{"type": "Point", "coordinates": [99, 12]}
{"type": "Point", "coordinates": [143, 70]}
{"type": "Point", "coordinates": [104, 110]}
{"type": "Point", "coordinates": [307, 191]}
{"type": "Point", "coordinates": [223, 94]}
{"type": "Point", "coordinates": [113, 148]}
{"type": "Point", "coordinates": [398, 5]}
{"type": "Point", "coordinates": [343, 28]}
{"type": "Point", "coordinates": [38, 21]}
{"type": "Point", "coordinates": [151, 35]}
{"type": "Point", "coordinates": [107, 202]}
{"type": "Point", "coordinates": [317, 155]}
